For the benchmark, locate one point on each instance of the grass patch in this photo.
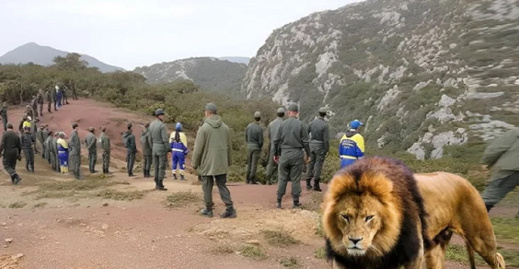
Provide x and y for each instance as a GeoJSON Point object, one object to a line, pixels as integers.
{"type": "Point", "coordinates": [17, 205]}
{"type": "Point", "coordinates": [319, 229]}
{"type": "Point", "coordinates": [222, 250]}
{"type": "Point", "coordinates": [78, 185]}
{"type": "Point", "coordinates": [313, 203]}
{"type": "Point", "coordinates": [253, 252]}
{"type": "Point", "coordinates": [279, 238]}
{"type": "Point", "coordinates": [320, 253]}
{"type": "Point", "coordinates": [458, 253]}
{"type": "Point", "coordinates": [40, 205]}
{"type": "Point", "coordinates": [120, 195]}
{"type": "Point", "coordinates": [54, 194]}
{"type": "Point", "coordinates": [506, 229]}
{"type": "Point", "coordinates": [289, 262]}
{"type": "Point", "coordinates": [182, 198]}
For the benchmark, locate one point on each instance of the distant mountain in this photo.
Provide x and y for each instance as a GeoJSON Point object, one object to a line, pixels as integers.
{"type": "Point", "coordinates": [211, 74]}
{"type": "Point", "coordinates": [44, 55]}
{"type": "Point", "coordinates": [236, 59]}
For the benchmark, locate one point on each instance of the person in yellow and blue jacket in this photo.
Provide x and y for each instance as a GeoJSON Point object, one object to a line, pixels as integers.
{"type": "Point", "coordinates": [63, 153]}
{"type": "Point", "coordinates": [178, 144]}
{"type": "Point", "coordinates": [351, 147]}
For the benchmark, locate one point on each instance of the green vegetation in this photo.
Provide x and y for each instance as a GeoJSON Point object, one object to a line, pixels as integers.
{"type": "Point", "coordinates": [222, 249]}
{"type": "Point", "coordinates": [19, 204]}
{"type": "Point", "coordinates": [182, 198]}
{"type": "Point", "coordinates": [289, 262]}
{"type": "Point", "coordinates": [279, 238]}
{"type": "Point", "coordinates": [506, 229]}
{"type": "Point", "coordinates": [320, 253]}
{"type": "Point", "coordinates": [459, 253]}
{"type": "Point", "coordinates": [253, 252]}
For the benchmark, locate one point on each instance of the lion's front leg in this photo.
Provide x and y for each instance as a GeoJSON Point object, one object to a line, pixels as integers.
{"type": "Point", "coordinates": [419, 261]}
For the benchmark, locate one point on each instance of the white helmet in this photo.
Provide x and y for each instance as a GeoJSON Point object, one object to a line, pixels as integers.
{"type": "Point", "coordinates": [57, 87]}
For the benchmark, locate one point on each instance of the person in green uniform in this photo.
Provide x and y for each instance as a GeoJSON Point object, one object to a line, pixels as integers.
{"type": "Point", "coordinates": [74, 148]}
{"type": "Point", "coordinates": [10, 150]}
{"type": "Point", "coordinates": [502, 156]}
{"type": "Point", "coordinates": [319, 146]}
{"type": "Point", "coordinates": [91, 145]}
{"type": "Point", "coordinates": [3, 114]}
{"type": "Point", "coordinates": [131, 149]}
{"type": "Point", "coordinates": [254, 139]}
{"type": "Point", "coordinates": [54, 144]}
{"type": "Point", "coordinates": [212, 158]}
{"type": "Point", "coordinates": [104, 140]}
{"type": "Point", "coordinates": [146, 150]}
{"type": "Point", "coordinates": [159, 140]}
{"type": "Point", "coordinates": [289, 142]}
{"type": "Point", "coordinates": [271, 131]}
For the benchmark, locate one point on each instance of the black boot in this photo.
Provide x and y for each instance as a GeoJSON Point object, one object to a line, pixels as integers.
{"type": "Point", "coordinates": [308, 183]}
{"type": "Point", "coordinates": [174, 176]}
{"type": "Point", "coordinates": [316, 185]}
{"type": "Point", "coordinates": [278, 203]}
{"type": "Point", "coordinates": [160, 186]}
{"type": "Point", "coordinates": [182, 177]}
{"type": "Point", "coordinates": [207, 212]}
{"type": "Point", "coordinates": [229, 213]}
{"type": "Point", "coordinates": [17, 179]}
{"type": "Point", "coordinates": [488, 207]}
{"type": "Point", "coordinates": [297, 204]}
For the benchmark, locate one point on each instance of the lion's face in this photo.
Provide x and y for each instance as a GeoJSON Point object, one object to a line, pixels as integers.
{"type": "Point", "coordinates": [359, 220]}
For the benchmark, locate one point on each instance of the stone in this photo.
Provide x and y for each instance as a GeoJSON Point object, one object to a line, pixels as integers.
{"type": "Point", "coordinates": [104, 226]}
{"type": "Point", "coordinates": [105, 204]}
{"type": "Point", "coordinates": [253, 242]}
{"type": "Point", "coordinates": [8, 240]}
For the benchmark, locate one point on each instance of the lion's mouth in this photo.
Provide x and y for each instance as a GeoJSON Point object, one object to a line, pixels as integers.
{"type": "Point", "coordinates": [356, 251]}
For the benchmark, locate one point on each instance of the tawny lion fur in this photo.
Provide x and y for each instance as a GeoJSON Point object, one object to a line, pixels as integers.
{"type": "Point", "coordinates": [403, 219]}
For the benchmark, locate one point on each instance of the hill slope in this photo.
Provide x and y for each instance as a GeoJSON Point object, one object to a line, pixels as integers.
{"type": "Point", "coordinates": [210, 74]}
{"type": "Point", "coordinates": [44, 55]}
{"type": "Point", "coordinates": [422, 74]}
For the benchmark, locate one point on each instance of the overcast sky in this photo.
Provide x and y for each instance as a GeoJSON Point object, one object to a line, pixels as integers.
{"type": "Point", "coordinates": [131, 33]}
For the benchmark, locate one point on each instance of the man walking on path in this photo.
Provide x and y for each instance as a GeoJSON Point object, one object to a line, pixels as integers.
{"type": "Point", "coordinates": [11, 149]}
{"type": "Point", "coordinates": [319, 146]}
{"type": "Point", "coordinates": [254, 139]}
{"type": "Point", "coordinates": [502, 156]}
{"type": "Point", "coordinates": [272, 129]}
{"type": "Point", "coordinates": [290, 141]}
{"type": "Point", "coordinates": [146, 150]}
{"type": "Point", "coordinates": [48, 148]}
{"type": "Point", "coordinates": [3, 114]}
{"type": "Point", "coordinates": [54, 144]}
{"type": "Point", "coordinates": [27, 142]}
{"type": "Point", "coordinates": [39, 100]}
{"type": "Point", "coordinates": [131, 149]}
{"type": "Point", "coordinates": [49, 96]}
{"type": "Point", "coordinates": [212, 158]}
{"type": "Point", "coordinates": [160, 148]}
{"type": "Point", "coordinates": [104, 140]}
{"type": "Point", "coordinates": [74, 152]}
{"type": "Point", "coordinates": [91, 145]}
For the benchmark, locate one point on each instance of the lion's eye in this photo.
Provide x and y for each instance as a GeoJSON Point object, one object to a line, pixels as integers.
{"type": "Point", "coordinates": [345, 217]}
{"type": "Point", "coordinates": [370, 217]}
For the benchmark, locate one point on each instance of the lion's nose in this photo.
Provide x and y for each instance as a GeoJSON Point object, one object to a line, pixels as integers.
{"type": "Point", "coordinates": [355, 240]}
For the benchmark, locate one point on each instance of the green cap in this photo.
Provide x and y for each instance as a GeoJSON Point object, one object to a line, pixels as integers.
{"type": "Point", "coordinates": [74, 125]}
{"type": "Point", "coordinates": [211, 107]}
{"type": "Point", "coordinates": [281, 110]}
{"type": "Point", "coordinates": [257, 114]}
{"type": "Point", "coordinates": [293, 107]}
{"type": "Point", "coordinates": [159, 112]}
{"type": "Point", "coordinates": [323, 110]}
{"type": "Point", "coordinates": [129, 125]}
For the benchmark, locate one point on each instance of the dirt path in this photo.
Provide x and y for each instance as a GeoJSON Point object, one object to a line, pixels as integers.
{"type": "Point", "coordinates": [85, 229]}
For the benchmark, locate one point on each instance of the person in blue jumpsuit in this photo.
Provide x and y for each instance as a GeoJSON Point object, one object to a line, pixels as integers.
{"type": "Point", "coordinates": [63, 153]}
{"type": "Point", "coordinates": [178, 144]}
{"type": "Point", "coordinates": [351, 147]}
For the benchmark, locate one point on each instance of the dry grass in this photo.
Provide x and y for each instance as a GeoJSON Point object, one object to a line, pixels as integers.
{"type": "Point", "coordinates": [222, 250]}
{"type": "Point", "coordinates": [313, 203]}
{"type": "Point", "coordinates": [120, 195]}
{"type": "Point", "coordinates": [279, 238]}
{"type": "Point", "coordinates": [183, 198]}
{"type": "Point", "coordinates": [320, 253]}
{"type": "Point", "coordinates": [18, 205]}
{"type": "Point", "coordinates": [289, 262]}
{"type": "Point", "coordinates": [253, 252]}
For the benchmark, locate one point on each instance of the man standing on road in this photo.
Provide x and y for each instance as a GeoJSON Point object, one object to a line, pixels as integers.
{"type": "Point", "coordinates": [104, 140]}
{"type": "Point", "coordinates": [160, 148]}
{"type": "Point", "coordinates": [254, 139]}
{"type": "Point", "coordinates": [146, 150]}
{"type": "Point", "coordinates": [74, 151]}
{"type": "Point", "coordinates": [3, 114]}
{"type": "Point", "coordinates": [131, 149]}
{"type": "Point", "coordinates": [319, 146]}
{"type": "Point", "coordinates": [54, 145]}
{"type": "Point", "coordinates": [27, 142]}
{"type": "Point", "coordinates": [289, 142]}
{"type": "Point", "coordinates": [49, 97]}
{"type": "Point", "coordinates": [39, 100]}
{"type": "Point", "coordinates": [41, 139]}
{"type": "Point", "coordinates": [11, 149]}
{"type": "Point", "coordinates": [502, 157]}
{"type": "Point", "coordinates": [91, 145]}
{"type": "Point", "coordinates": [212, 158]}
{"type": "Point", "coordinates": [48, 148]}
{"type": "Point", "coordinates": [272, 129]}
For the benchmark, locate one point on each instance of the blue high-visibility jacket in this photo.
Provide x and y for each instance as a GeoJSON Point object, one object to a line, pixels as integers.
{"type": "Point", "coordinates": [351, 148]}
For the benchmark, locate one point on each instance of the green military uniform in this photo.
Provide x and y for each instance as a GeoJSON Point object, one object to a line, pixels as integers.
{"type": "Point", "coordinates": [146, 151]}
{"type": "Point", "coordinates": [131, 149]}
{"type": "Point", "coordinates": [10, 149]}
{"type": "Point", "coordinates": [272, 129]}
{"type": "Point", "coordinates": [74, 147]}
{"type": "Point", "coordinates": [289, 142]}
{"type": "Point", "coordinates": [254, 139]}
{"type": "Point", "coordinates": [49, 97]}
{"type": "Point", "coordinates": [159, 140]}
{"type": "Point", "coordinates": [319, 146]}
{"type": "Point", "coordinates": [3, 114]}
{"type": "Point", "coordinates": [212, 158]}
{"type": "Point", "coordinates": [39, 100]}
{"type": "Point", "coordinates": [48, 149]}
{"type": "Point", "coordinates": [28, 141]}
{"type": "Point", "coordinates": [39, 137]}
{"type": "Point", "coordinates": [502, 155]}
{"type": "Point", "coordinates": [91, 145]}
{"type": "Point", "coordinates": [54, 145]}
{"type": "Point", "coordinates": [45, 135]}
{"type": "Point", "coordinates": [105, 145]}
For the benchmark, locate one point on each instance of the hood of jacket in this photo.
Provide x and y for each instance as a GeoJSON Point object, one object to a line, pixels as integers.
{"type": "Point", "coordinates": [214, 121]}
{"type": "Point", "coordinates": [351, 133]}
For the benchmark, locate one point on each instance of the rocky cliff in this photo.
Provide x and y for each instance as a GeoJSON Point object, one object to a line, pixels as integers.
{"type": "Point", "coordinates": [422, 74]}
{"type": "Point", "coordinates": [210, 74]}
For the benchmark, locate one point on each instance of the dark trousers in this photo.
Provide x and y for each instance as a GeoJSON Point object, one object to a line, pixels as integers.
{"type": "Point", "coordinates": [253, 152]}
{"type": "Point", "coordinates": [147, 164]}
{"type": "Point", "coordinates": [106, 162]}
{"type": "Point", "coordinates": [41, 109]}
{"type": "Point", "coordinates": [49, 105]}
{"type": "Point", "coordinates": [9, 161]}
{"type": "Point", "coordinates": [29, 158]}
{"type": "Point", "coordinates": [4, 121]}
{"type": "Point", "coordinates": [290, 169]}
{"type": "Point", "coordinates": [207, 187]}
{"type": "Point", "coordinates": [92, 160]}
{"type": "Point", "coordinates": [130, 160]}
{"type": "Point", "coordinates": [499, 188]}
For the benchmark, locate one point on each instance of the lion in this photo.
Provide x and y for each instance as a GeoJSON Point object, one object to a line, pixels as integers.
{"type": "Point", "coordinates": [378, 214]}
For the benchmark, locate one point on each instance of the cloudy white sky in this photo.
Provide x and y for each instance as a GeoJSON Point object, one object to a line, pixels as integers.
{"type": "Point", "coordinates": [131, 33]}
